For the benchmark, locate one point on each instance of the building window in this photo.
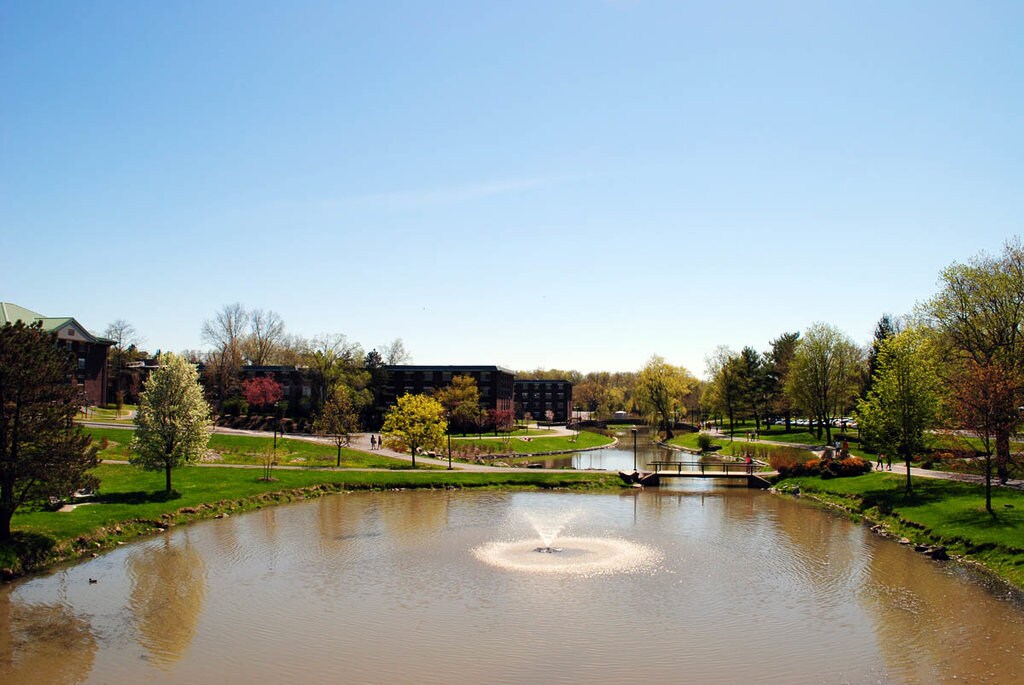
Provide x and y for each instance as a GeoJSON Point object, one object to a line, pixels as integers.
{"type": "Point", "coordinates": [81, 363]}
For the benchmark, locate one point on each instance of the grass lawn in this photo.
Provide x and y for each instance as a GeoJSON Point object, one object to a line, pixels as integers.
{"type": "Point", "coordinates": [516, 433]}
{"type": "Point", "coordinates": [585, 440]}
{"type": "Point", "coordinates": [131, 502]}
{"type": "Point", "coordinates": [108, 415]}
{"type": "Point", "coordinates": [247, 449]}
{"type": "Point", "coordinates": [735, 448]}
{"type": "Point", "coordinates": [939, 512]}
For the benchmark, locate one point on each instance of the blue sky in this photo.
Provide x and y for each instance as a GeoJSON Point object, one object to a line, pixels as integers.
{"type": "Point", "coordinates": [531, 184]}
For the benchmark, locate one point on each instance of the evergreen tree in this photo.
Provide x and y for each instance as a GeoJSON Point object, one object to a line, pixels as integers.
{"type": "Point", "coordinates": [42, 454]}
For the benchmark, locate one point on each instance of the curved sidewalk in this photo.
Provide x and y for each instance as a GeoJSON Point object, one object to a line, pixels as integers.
{"type": "Point", "coordinates": [916, 472]}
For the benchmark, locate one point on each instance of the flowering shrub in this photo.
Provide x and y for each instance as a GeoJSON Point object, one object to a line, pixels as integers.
{"type": "Point", "coordinates": [792, 462]}
{"type": "Point", "coordinates": [828, 468]}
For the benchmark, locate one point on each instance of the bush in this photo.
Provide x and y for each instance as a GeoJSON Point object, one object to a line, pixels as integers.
{"type": "Point", "coordinates": [828, 468]}
{"type": "Point", "coordinates": [842, 468]}
{"type": "Point", "coordinates": [236, 406]}
{"type": "Point", "coordinates": [789, 460]}
{"type": "Point", "coordinates": [704, 442]}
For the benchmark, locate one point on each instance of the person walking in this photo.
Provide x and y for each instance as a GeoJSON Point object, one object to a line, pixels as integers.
{"type": "Point", "coordinates": [888, 463]}
{"type": "Point", "coordinates": [878, 464]}
{"type": "Point", "coordinates": [373, 442]}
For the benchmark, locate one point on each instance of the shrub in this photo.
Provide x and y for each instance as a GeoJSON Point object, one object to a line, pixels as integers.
{"type": "Point", "coordinates": [790, 461]}
{"type": "Point", "coordinates": [235, 406]}
{"type": "Point", "coordinates": [704, 442]}
{"type": "Point", "coordinates": [842, 468]}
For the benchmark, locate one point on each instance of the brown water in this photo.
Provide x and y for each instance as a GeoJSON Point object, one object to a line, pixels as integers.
{"type": "Point", "coordinates": [700, 584]}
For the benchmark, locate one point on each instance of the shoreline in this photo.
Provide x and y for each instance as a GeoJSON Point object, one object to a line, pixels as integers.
{"type": "Point", "coordinates": [26, 558]}
{"type": "Point", "coordinates": [924, 540]}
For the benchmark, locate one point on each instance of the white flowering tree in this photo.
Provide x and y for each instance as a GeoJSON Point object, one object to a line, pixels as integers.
{"type": "Point", "coordinates": [172, 427]}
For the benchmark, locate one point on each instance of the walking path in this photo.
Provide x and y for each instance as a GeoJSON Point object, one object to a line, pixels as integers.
{"type": "Point", "coordinates": [357, 441]}
{"type": "Point", "coordinates": [361, 442]}
{"type": "Point", "coordinates": [1017, 484]}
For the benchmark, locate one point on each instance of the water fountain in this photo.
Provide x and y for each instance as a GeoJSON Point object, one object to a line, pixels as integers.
{"type": "Point", "coordinates": [583, 556]}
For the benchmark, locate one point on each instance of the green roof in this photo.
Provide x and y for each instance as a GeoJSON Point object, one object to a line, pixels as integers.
{"type": "Point", "coordinates": [9, 313]}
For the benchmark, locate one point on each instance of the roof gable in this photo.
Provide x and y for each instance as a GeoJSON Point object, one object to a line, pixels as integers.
{"type": "Point", "coordinates": [66, 327]}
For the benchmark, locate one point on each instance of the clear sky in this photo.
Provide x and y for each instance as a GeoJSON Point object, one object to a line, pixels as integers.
{"type": "Point", "coordinates": [531, 184]}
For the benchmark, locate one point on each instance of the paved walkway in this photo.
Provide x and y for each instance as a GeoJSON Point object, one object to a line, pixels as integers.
{"type": "Point", "coordinates": [896, 468]}
{"type": "Point", "coordinates": [357, 441]}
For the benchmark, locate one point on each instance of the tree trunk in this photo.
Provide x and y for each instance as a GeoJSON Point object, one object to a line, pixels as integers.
{"type": "Point", "coordinates": [412, 450]}
{"type": "Point", "coordinates": [6, 512]}
{"type": "Point", "coordinates": [167, 473]}
{"type": "Point", "coordinates": [909, 485]}
{"type": "Point", "coordinates": [1003, 455]}
{"type": "Point", "coordinates": [339, 455]}
{"type": "Point", "coordinates": [988, 485]}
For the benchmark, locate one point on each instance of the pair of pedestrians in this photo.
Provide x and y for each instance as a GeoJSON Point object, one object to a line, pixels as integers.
{"type": "Point", "coordinates": [376, 443]}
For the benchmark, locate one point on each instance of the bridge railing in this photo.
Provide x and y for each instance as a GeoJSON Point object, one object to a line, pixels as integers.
{"type": "Point", "coordinates": [703, 467]}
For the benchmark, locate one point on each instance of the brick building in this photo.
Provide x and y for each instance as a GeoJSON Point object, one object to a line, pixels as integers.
{"type": "Point", "coordinates": [537, 397]}
{"type": "Point", "coordinates": [494, 383]}
{"type": "Point", "coordinates": [89, 351]}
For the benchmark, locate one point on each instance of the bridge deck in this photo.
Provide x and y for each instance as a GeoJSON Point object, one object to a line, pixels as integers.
{"type": "Point", "coordinates": [700, 469]}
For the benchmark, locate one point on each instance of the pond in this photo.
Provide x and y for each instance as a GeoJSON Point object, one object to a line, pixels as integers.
{"type": "Point", "coordinates": [695, 583]}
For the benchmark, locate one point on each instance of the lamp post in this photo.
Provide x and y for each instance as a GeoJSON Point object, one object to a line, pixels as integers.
{"type": "Point", "coordinates": [449, 446]}
{"type": "Point", "coordinates": [634, 449]}
{"type": "Point", "coordinates": [277, 421]}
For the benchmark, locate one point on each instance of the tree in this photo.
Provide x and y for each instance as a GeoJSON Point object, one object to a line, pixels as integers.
{"type": "Point", "coordinates": [461, 402]}
{"type": "Point", "coordinates": [225, 332]}
{"type": "Point", "coordinates": [661, 388]}
{"type": "Point", "coordinates": [373, 363]}
{"type": "Point", "coordinates": [903, 402]}
{"type": "Point", "coordinates": [42, 453]}
{"type": "Point", "coordinates": [776, 371]}
{"type": "Point", "coordinates": [503, 420]}
{"type": "Point", "coordinates": [886, 327]}
{"type": "Point", "coordinates": [261, 392]}
{"type": "Point", "coordinates": [395, 354]}
{"type": "Point", "coordinates": [124, 336]}
{"type": "Point", "coordinates": [823, 375]}
{"type": "Point", "coordinates": [337, 419]}
{"type": "Point", "coordinates": [415, 422]}
{"type": "Point", "coordinates": [753, 383]}
{"type": "Point", "coordinates": [266, 334]}
{"type": "Point", "coordinates": [331, 357]}
{"type": "Point", "coordinates": [980, 316]}
{"type": "Point", "coordinates": [979, 398]}
{"type": "Point", "coordinates": [725, 393]}
{"type": "Point", "coordinates": [172, 426]}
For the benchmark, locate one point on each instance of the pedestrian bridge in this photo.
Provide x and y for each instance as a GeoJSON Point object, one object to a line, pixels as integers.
{"type": "Point", "coordinates": [697, 469]}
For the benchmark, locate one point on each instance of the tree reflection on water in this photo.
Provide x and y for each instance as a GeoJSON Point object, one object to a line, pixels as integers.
{"type": "Point", "coordinates": [168, 588]}
{"type": "Point", "coordinates": [44, 643]}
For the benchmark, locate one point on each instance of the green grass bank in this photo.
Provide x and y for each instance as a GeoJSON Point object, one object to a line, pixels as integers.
{"type": "Point", "coordinates": [131, 503]}
{"type": "Point", "coordinates": [531, 445]}
{"type": "Point", "coordinates": [938, 512]}
{"type": "Point", "coordinates": [249, 449]}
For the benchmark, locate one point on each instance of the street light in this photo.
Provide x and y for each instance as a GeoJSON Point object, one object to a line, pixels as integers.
{"type": "Point", "coordinates": [634, 448]}
{"type": "Point", "coordinates": [277, 420]}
